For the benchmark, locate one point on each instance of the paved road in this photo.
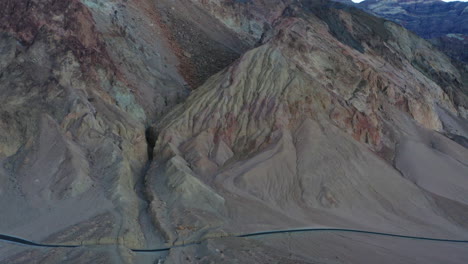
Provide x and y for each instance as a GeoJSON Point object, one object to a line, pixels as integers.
{"type": "Point", "coordinates": [25, 242]}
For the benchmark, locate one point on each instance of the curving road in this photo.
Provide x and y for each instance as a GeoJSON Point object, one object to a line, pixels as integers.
{"type": "Point", "coordinates": [25, 242]}
{"type": "Point", "coordinates": [22, 241]}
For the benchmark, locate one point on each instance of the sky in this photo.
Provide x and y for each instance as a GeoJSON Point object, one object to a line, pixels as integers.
{"type": "Point", "coordinates": [357, 1]}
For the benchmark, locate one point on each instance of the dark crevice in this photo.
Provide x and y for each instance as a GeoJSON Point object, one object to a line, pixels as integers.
{"type": "Point", "coordinates": [152, 237]}
{"type": "Point", "coordinates": [151, 137]}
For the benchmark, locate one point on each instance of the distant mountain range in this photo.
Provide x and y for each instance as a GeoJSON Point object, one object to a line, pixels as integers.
{"type": "Point", "coordinates": [444, 24]}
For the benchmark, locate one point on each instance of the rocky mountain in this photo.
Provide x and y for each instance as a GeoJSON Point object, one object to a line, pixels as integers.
{"type": "Point", "coordinates": [132, 125]}
{"type": "Point", "coordinates": [444, 24]}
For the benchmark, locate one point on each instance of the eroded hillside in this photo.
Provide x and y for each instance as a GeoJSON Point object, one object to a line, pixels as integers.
{"type": "Point", "coordinates": [142, 124]}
